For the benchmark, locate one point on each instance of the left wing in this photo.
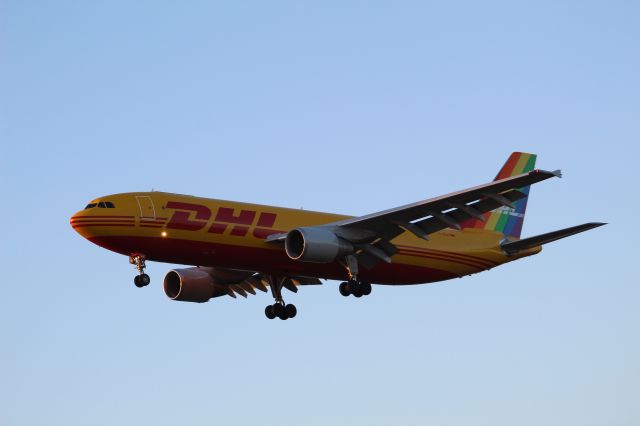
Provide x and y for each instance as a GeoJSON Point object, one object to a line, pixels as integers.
{"type": "Point", "coordinates": [261, 282]}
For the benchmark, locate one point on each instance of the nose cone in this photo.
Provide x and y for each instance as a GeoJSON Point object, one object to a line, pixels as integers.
{"type": "Point", "coordinates": [77, 221]}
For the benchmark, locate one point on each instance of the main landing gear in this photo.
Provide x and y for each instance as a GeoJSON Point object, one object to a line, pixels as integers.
{"type": "Point", "coordinates": [279, 309]}
{"type": "Point", "coordinates": [354, 286]}
{"type": "Point", "coordinates": [142, 279]}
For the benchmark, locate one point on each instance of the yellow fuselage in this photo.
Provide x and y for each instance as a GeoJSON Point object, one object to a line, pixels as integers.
{"type": "Point", "coordinates": [189, 230]}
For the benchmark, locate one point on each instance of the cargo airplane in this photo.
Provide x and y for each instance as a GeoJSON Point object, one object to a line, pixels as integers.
{"type": "Point", "coordinates": [240, 248]}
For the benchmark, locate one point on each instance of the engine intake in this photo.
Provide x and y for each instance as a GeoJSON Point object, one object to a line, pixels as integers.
{"type": "Point", "coordinates": [315, 244]}
{"type": "Point", "coordinates": [191, 285]}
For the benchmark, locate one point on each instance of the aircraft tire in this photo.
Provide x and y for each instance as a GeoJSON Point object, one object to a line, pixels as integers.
{"type": "Point", "coordinates": [290, 310]}
{"type": "Point", "coordinates": [365, 288]}
{"type": "Point", "coordinates": [353, 286]}
{"type": "Point", "coordinates": [141, 280]}
{"type": "Point", "coordinates": [144, 279]}
{"type": "Point", "coordinates": [344, 289]}
{"type": "Point", "coordinates": [277, 309]}
{"type": "Point", "coordinates": [269, 313]}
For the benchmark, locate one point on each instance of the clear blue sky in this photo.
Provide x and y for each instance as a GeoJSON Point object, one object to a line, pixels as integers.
{"type": "Point", "coordinates": [351, 107]}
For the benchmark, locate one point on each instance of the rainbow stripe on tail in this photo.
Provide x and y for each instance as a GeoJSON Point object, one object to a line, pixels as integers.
{"type": "Point", "coordinates": [505, 219]}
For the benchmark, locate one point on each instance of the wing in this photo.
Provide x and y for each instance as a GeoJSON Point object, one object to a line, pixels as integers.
{"type": "Point", "coordinates": [372, 234]}
{"type": "Point", "coordinates": [257, 281]}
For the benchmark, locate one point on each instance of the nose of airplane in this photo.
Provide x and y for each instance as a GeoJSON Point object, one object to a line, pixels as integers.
{"type": "Point", "coordinates": [76, 222]}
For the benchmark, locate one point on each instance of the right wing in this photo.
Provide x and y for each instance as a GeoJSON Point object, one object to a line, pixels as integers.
{"type": "Point", "coordinates": [372, 233]}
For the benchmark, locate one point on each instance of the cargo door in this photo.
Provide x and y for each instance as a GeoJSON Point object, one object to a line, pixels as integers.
{"type": "Point", "coordinates": [147, 209]}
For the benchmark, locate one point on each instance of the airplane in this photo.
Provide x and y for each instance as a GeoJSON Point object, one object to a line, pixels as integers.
{"type": "Point", "coordinates": [237, 248]}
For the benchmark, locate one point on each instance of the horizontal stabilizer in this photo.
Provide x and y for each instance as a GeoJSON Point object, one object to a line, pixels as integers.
{"type": "Point", "coordinates": [531, 242]}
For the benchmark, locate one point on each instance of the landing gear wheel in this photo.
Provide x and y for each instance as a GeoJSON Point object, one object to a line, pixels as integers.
{"type": "Point", "coordinates": [344, 289]}
{"type": "Point", "coordinates": [144, 279]}
{"type": "Point", "coordinates": [268, 311]}
{"type": "Point", "coordinates": [279, 309]}
{"type": "Point", "coordinates": [353, 286]}
{"type": "Point", "coordinates": [365, 288]}
{"type": "Point", "coordinates": [283, 314]}
{"type": "Point", "coordinates": [290, 310]}
{"type": "Point", "coordinates": [357, 293]}
{"type": "Point", "coordinates": [141, 280]}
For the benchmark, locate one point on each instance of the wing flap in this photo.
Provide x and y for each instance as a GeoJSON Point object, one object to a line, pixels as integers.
{"type": "Point", "coordinates": [260, 282]}
{"type": "Point", "coordinates": [459, 215]}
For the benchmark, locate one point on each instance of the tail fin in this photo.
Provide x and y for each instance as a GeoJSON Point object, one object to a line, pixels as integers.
{"type": "Point", "coordinates": [505, 219]}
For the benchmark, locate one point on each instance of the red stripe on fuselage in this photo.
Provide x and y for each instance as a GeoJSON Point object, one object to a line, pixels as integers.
{"type": "Point", "coordinates": [79, 222]}
{"type": "Point", "coordinates": [462, 256]}
{"type": "Point", "coordinates": [101, 217]}
{"type": "Point", "coordinates": [87, 225]}
{"type": "Point", "coordinates": [274, 261]}
{"type": "Point", "coordinates": [445, 258]}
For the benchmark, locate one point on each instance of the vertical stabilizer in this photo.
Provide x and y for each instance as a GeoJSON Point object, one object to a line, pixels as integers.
{"type": "Point", "coordinates": [506, 219]}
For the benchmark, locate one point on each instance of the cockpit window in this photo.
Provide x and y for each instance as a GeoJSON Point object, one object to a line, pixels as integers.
{"type": "Point", "coordinates": [101, 205]}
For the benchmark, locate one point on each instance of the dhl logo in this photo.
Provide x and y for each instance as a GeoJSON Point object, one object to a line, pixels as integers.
{"type": "Point", "coordinates": [195, 217]}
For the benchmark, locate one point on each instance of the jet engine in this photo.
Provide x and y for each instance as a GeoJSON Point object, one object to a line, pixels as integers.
{"type": "Point", "coordinates": [316, 244]}
{"type": "Point", "coordinates": [191, 285]}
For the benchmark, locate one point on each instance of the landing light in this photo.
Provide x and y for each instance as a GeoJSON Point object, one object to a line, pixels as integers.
{"type": "Point", "coordinates": [164, 233]}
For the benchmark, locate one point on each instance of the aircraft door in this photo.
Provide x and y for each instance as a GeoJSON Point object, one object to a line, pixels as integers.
{"type": "Point", "coordinates": [147, 209]}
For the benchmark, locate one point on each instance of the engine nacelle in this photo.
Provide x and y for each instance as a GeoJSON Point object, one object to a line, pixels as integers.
{"type": "Point", "coordinates": [191, 285]}
{"type": "Point", "coordinates": [315, 244]}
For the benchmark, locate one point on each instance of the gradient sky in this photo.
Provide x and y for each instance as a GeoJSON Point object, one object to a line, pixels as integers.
{"type": "Point", "coordinates": [350, 107]}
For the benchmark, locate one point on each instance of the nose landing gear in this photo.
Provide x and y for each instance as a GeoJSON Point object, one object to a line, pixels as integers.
{"type": "Point", "coordinates": [142, 279]}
